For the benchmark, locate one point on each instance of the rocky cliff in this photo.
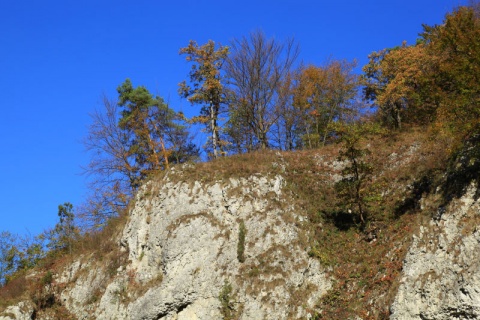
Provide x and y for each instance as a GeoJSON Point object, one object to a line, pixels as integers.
{"type": "Point", "coordinates": [441, 276]}
{"type": "Point", "coordinates": [189, 234]}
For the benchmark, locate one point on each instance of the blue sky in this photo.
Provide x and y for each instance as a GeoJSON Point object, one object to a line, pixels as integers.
{"type": "Point", "coordinates": [57, 58]}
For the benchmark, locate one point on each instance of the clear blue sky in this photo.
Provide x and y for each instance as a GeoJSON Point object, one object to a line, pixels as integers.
{"type": "Point", "coordinates": [58, 57]}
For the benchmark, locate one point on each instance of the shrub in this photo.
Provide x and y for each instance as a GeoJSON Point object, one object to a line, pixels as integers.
{"type": "Point", "coordinates": [226, 304]}
{"type": "Point", "coordinates": [242, 231]}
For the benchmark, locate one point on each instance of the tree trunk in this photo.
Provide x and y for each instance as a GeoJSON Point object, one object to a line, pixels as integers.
{"type": "Point", "coordinates": [162, 145]}
{"type": "Point", "coordinates": [213, 128]}
{"type": "Point", "coordinates": [263, 140]}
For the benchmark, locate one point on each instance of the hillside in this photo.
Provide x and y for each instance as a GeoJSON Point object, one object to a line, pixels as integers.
{"type": "Point", "coordinates": [268, 235]}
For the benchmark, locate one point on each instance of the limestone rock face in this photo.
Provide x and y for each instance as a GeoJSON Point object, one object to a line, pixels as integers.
{"type": "Point", "coordinates": [441, 276]}
{"type": "Point", "coordinates": [189, 235]}
{"type": "Point", "coordinates": [20, 311]}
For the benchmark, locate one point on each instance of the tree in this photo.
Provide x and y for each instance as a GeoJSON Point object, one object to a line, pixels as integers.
{"type": "Point", "coordinates": [156, 134]}
{"type": "Point", "coordinates": [65, 232]}
{"type": "Point", "coordinates": [399, 82]}
{"type": "Point", "coordinates": [256, 69]}
{"type": "Point", "coordinates": [455, 47]}
{"type": "Point", "coordinates": [182, 148]}
{"type": "Point", "coordinates": [145, 117]}
{"type": "Point", "coordinates": [434, 81]}
{"type": "Point", "coordinates": [375, 81]}
{"type": "Point", "coordinates": [31, 250]}
{"type": "Point", "coordinates": [207, 87]}
{"type": "Point", "coordinates": [114, 172]}
{"type": "Point", "coordinates": [288, 129]}
{"type": "Point", "coordinates": [239, 134]}
{"type": "Point", "coordinates": [8, 255]}
{"type": "Point", "coordinates": [352, 188]}
{"type": "Point", "coordinates": [19, 253]}
{"type": "Point", "coordinates": [322, 95]}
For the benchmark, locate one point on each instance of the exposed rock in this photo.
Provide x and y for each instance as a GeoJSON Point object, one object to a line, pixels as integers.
{"type": "Point", "coordinates": [441, 276]}
{"type": "Point", "coordinates": [20, 311]}
{"type": "Point", "coordinates": [82, 280]}
{"type": "Point", "coordinates": [190, 235]}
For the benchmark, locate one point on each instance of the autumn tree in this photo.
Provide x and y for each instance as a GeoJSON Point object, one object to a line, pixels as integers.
{"type": "Point", "coordinates": [207, 87]}
{"type": "Point", "coordinates": [435, 80]}
{"type": "Point", "coordinates": [156, 134]}
{"type": "Point", "coordinates": [399, 81]}
{"type": "Point", "coordinates": [322, 95]}
{"type": "Point", "coordinates": [143, 116]}
{"type": "Point", "coordinates": [375, 80]}
{"type": "Point", "coordinates": [256, 69]}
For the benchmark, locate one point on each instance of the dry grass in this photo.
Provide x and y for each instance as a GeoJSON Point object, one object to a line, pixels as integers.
{"type": "Point", "coordinates": [237, 166]}
{"type": "Point", "coordinates": [14, 290]}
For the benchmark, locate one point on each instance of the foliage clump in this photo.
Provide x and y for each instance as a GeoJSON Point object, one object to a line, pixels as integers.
{"type": "Point", "coordinates": [242, 231]}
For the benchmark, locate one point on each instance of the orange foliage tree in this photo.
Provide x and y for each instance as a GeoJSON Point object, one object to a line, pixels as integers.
{"type": "Point", "coordinates": [455, 46]}
{"type": "Point", "coordinates": [322, 95]}
{"type": "Point", "coordinates": [399, 82]}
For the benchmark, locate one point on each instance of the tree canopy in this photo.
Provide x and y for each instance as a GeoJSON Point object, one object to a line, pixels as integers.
{"type": "Point", "coordinates": [434, 81]}
{"type": "Point", "coordinates": [257, 69]}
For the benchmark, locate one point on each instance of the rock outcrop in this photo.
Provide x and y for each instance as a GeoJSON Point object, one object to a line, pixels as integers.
{"type": "Point", "coordinates": [441, 276]}
{"type": "Point", "coordinates": [20, 311]}
{"type": "Point", "coordinates": [189, 235]}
